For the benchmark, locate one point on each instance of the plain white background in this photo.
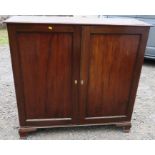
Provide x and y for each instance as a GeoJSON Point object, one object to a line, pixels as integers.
{"type": "Point", "coordinates": [78, 7]}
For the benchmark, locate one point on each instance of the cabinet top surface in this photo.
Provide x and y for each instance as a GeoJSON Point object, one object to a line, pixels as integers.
{"type": "Point", "coordinates": [74, 21]}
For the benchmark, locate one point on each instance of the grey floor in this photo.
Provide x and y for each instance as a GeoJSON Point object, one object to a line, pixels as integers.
{"type": "Point", "coordinates": [143, 121]}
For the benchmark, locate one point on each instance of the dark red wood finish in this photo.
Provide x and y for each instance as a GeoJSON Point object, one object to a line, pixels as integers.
{"type": "Point", "coordinates": [108, 75]}
{"type": "Point", "coordinates": [104, 60]}
{"type": "Point", "coordinates": [48, 64]}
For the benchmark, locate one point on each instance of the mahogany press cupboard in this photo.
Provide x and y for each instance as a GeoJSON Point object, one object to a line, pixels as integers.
{"type": "Point", "coordinates": [75, 71]}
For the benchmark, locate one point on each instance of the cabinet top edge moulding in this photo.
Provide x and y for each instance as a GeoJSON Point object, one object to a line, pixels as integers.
{"type": "Point", "coordinates": [75, 21]}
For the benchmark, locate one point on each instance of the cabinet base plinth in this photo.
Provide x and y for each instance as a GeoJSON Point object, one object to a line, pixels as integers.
{"type": "Point", "coordinates": [126, 126]}
{"type": "Point", "coordinates": [23, 132]}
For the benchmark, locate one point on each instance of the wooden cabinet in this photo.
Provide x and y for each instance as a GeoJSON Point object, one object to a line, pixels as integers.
{"type": "Point", "coordinates": [71, 72]}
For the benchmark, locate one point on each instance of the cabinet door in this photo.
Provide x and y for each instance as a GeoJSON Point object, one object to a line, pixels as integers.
{"type": "Point", "coordinates": [108, 64]}
{"type": "Point", "coordinates": [47, 60]}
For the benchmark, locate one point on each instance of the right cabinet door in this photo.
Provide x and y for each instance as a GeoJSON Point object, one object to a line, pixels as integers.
{"type": "Point", "coordinates": [108, 63]}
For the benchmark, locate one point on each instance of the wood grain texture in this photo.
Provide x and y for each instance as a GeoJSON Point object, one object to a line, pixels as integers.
{"type": "Point", "coordinates": [48, 67]}
{"type": "Point", "coordinates": [111, 62]}
{"type": "Point", "coordinates": [47, 74]}
{"type": "Point", "coordinates": [108, 60]}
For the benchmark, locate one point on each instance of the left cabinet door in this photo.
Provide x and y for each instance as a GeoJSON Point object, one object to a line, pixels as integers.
{"type": "Point", "coordinates": [45, 61]}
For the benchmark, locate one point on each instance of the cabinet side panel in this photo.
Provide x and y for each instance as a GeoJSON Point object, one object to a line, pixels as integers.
{"type": "Point", "coordinates": [16, 67]}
